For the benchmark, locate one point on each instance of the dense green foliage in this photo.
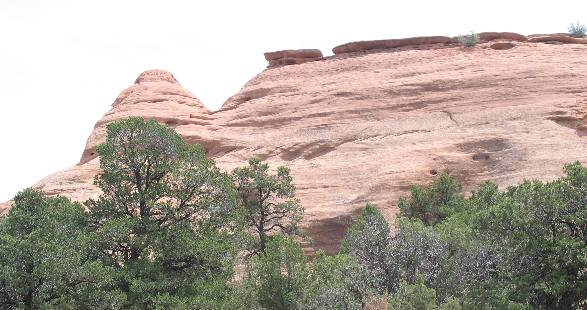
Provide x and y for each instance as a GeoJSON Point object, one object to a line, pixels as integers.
{"type": "Point", "coordinates": [282, 273]}
{"type": "Point", "coordinates": [283, 278]}
{"type": "Point", "coordinates": [167, 219]}
{"type": "Point", "coordinates": [46, 257]}
{"type": "Point", "coordinates": [171, 231]}
{"type": "Point", "coordinates": [434, 203]}
{"type": "Point", "coordinates": [522, 248]}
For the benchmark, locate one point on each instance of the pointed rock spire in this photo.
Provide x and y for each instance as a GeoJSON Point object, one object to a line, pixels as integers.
{"type": "Point", "coordinates": [156, 94]}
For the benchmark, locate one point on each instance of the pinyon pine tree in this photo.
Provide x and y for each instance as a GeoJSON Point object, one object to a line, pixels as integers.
{"type": "Point", "coordinates": [268, 201]}
{"type": "Point", "coordinates": [167, 218]}
{"type": "Point", "coordinates": [46, 257]}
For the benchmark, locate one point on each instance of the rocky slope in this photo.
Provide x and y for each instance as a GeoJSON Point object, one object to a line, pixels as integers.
{"type": "Point", "coordinates": [363, 125]}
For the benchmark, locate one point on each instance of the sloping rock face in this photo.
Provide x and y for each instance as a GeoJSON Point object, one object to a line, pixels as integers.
{"type": "Point", "coordinates": [363, 128]}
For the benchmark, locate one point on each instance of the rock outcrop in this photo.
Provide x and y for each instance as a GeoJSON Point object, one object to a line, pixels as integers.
{"type": "Point", "coordinates": [156, 94]}
{"type": "Point", "coordinates": [292, 57]}
{"type": "Point", "coordinates": [363, 129]}
{"type": "Point", "coordinates": [556, 39]}
{"type": "Point", "coordinates": [364, 46]}
{"type": "Point", "coordinates": [506, 36]}
{"type": "Point", "coordinates": [425, 43]}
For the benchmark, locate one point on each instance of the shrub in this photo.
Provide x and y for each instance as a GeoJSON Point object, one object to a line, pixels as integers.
{"type": "Point", "coordinates": [541, 229]}
{"type": "Point", "coordinates": [433, 203]}
{"type": "Point", "coordinates": [281, 273]}
{"type": "Point", "coordinates": [577, 30]}
{"type": "Point", "coordinates": [413, 297]}
{"type": "Point", "coordinates": [336, 283]}
{"type": "Point", "coordinates": [45, 257]}
{"type": "Point", "coordinates": [368, 240]}
{"type": "Point", "coordinates": [469, 40]}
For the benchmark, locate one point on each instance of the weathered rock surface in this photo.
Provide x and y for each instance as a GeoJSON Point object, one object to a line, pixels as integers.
{"type": "Point", "coordinates": [508, 36]}
{"type": "Point", "coordinates": [556, 39]}
{"type": "Point", "coordinates": [292, 57]}
{"type": "Point", "coordinates": [436, 42]}
{"type": "Point", "coordinates": [502, 46]}
{"type": "Point", "coordinates": [363, 46]}
{"type": "Point", "coordinates": [156, 94]}
{"type": "Point", "coordinates": [363, 129]}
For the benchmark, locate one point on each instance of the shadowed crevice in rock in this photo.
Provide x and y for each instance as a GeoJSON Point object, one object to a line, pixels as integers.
{"type": "Point", "coordinates": [328, 232]}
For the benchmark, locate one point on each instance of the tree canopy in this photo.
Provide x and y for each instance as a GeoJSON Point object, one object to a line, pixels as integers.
{"type": "Point", "coordinates": [171, 230]}
{"type": "Point", "coordinates": [167, 218]}
{"type": "Point", "coordinates": [47, 259]}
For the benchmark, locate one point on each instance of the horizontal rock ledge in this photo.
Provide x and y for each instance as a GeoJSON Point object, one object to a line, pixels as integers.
{"type": "Point", "coordinates": [302, 53]}
{"type": "Point", "coordinates": [292, 57]}
{"type": "Point", "coordinates": [290, 61]}
{"type": "Point", "coordinates": [360, 46]}
{"type": "Point", "coordinates": [506, 36]}
{"type": "Point", "coordinates": [557, 38]}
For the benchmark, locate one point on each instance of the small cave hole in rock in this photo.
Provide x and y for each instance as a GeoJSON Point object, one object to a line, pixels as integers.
{"type": "Point", "coordinates": [433, 172]}
{"type": "Point", "coordinates": [480, 156]}
{"type": "Point", "coordinates": [244, 99]}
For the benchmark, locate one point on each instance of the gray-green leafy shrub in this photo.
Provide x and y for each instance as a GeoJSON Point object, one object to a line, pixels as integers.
{"type": "Point", "coordinates": [369, 241]}
{"type": "Point", "coordinates": [577, 30]}
{"type": "Point", "coordinates": [281, 274]}
{"type": "Point", "coordinates": [469, 40]}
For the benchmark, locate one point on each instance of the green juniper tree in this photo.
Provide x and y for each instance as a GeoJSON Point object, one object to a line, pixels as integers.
{"type": "Point", "coordinates": [431, 204]}
{"type": "Point", "coordinates": [282, 274]}
{"type": "Point", "coordinates": [413, 297]}
{"type": "Point", "coordinates": [167, 218]}
{"type": "Point", "coordinates": [268, 201]}
{"type": "Point", "coordinates": [335, 283]}
{"type": "Point", "coordinates": [541, 229]}
{"type": "Point", "coordinates": [46, 257]}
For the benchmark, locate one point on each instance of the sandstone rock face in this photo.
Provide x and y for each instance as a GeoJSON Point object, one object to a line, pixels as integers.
{"type": "Point", "coordinates": [363, 129]}
{"type": "Point", "coordinates": [156, 94]}
{"type": "Point", "coordinates": [292, 57]}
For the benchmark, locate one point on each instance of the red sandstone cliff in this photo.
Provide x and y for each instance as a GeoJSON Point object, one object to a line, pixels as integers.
{"type": "Point", "coordinates": [363, 125]}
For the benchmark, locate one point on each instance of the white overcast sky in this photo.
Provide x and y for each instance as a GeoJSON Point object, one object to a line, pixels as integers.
{"type": "Point", "coordinates": [62, 63]}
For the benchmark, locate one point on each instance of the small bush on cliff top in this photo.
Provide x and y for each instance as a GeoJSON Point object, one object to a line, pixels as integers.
{"type": "Point", "coordinates": [577, 30]}
{"type": "Point", "coordinates": [469, 40]}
